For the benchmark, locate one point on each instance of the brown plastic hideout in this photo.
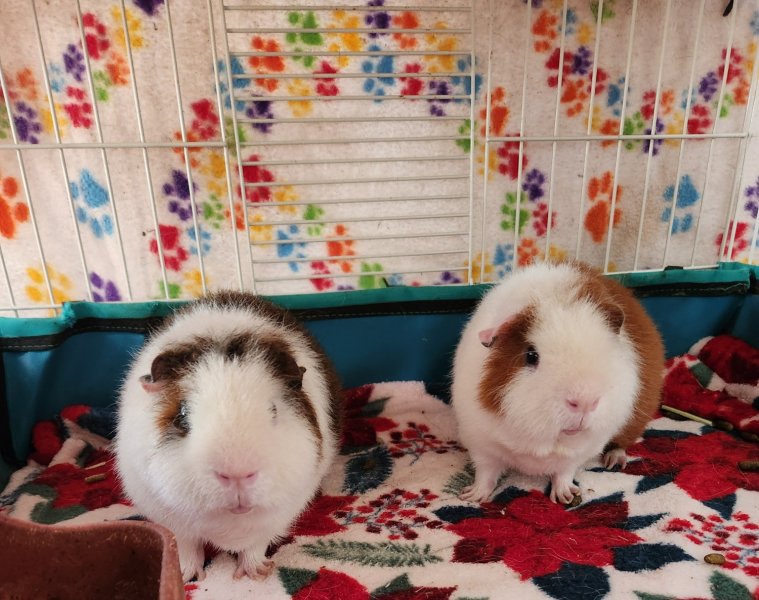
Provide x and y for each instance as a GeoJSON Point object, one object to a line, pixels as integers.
{"type": "Point", "coordinates": [119, 559]}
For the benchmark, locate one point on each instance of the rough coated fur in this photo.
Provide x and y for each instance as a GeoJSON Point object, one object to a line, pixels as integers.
{"type": "Point", "coordinates": [594, 341]}
{"type": "Point", "coordinates": [235, 386]}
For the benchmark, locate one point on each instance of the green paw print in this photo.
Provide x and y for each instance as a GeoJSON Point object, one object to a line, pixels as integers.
{"type": "Point", "coordinates": [5, 123]}
{"type": "Point", "coordinates": [608, 10]}
{"type": "Point", "coordinates": [175, 290]}
{"type": "Point", "coordinates": [633, 125]}
{"type": "Point", "coordinates": [213, 212]}
{"type": "Point", "coordinates": [228, 132]}
{"type": "Point", "coordinates": [465, 143]}
{"type": "Point", "coordinates": [509, 210]}
{"type": "Point", "coordinates": [727, 102]}
{"type": "Point", "coordinates": [312, 213]}
{"type": "Point", "coordinates": [368, 282]}
{"type": "Point", "coordinates": [304, 21]}
{"type": "Point", "coordinates": [102, 83]}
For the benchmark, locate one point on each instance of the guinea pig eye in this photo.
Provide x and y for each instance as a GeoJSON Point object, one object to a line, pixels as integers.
{"type": "Point", "coordinates": [531, 357]}
{"type": "Point", "coordinates": [273, 411]}
{"type": "Point", "coordinates": [181, 421]}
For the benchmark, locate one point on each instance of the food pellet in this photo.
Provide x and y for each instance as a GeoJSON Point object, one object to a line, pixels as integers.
{"type": "Point", "coordinates": [749, 466]}
{"type": "Point", "coordinates": [576, 501]}
{"type": "Point", "coordinates": [714, 559]}
{"type": "Point", "coordinates": [95, 478]}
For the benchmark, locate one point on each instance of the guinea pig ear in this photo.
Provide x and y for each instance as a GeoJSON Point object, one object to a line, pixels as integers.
{"type": "Point", "coordinates": [614, 314]}
{"type": "Point", "coordinates": [487, 336]}
{"type": "Point", "coordinates": [167, 366]}
{"type": "Point", "coordinates": [277, 353]}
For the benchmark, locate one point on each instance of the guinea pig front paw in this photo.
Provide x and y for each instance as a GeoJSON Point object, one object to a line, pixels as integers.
{"type": "Point", "coordinates": [563, 490]}
{"type": "Point", "coordinates": [248, 564]}
{"type": "Point", "coordinates": [191, 560]}
{"type": "Point", "coordinates": [475, 493]}
{"type": "Point", "coordinates": [615, 458]}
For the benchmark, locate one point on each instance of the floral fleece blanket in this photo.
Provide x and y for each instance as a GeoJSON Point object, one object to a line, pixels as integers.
{"type": "Point", "coordinates": [389, 524]}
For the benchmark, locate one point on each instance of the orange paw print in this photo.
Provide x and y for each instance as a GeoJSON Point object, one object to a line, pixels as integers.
{"type": "Point", "coordinates": [441, 63]}
{"type": "Point", "coordinates": [499, 113]}
{"type": "Point", "coordinates": [266, 64]}
{"type": "Point", "coordinates": [23, 86]}
{"type": "Point", "coordinates": [545, 28]}
{"type": "Point", "coordinates": [11, 212]}
{"type": "Point", "coordinates": [341, 248]}
{"type": "Point", "coordinates": [527, 252]}
{"type": "Point", "coordinates": [600, 191]}
{"type": "Point", "coordinates": [406, 20]}
{"type": "Point", "coordinates": [574, 93]}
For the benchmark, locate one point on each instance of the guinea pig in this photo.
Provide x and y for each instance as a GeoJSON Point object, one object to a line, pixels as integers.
{"type": "Point", "coordinates": [556, 365]}
{"type": "Point", "coordinates": [228, 419]}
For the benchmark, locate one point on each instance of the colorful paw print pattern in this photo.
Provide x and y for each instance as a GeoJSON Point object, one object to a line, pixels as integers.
{"type": "Point", "coordinates": [13, 212]}
{"type": "Point", "coordinates": [92, 204]}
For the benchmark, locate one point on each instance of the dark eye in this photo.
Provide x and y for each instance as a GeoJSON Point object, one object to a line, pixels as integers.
{"type": "Point", "coordinates": [531, 357]}
{"type": "Point", "coordinates": [181, 421]}
{"type": "Point", "coordinates": [273, 411]}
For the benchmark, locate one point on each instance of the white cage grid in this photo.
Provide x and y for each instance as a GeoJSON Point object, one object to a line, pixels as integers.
{"type": "Point", "coordinates": [462, 233]}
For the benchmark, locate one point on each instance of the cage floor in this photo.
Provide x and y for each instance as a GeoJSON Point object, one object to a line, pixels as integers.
{"type": "Point", "coordinates": [390, 525]}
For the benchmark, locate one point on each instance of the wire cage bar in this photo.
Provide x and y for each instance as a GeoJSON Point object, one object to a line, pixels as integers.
{"type": "Point", "coordinates": [407, 142]}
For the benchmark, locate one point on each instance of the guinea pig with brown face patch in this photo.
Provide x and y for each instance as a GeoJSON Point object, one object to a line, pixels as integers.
{"type": "Point", "coordinates": [229, 418]}
{"type": "Point", "coordinates": [556, 365]}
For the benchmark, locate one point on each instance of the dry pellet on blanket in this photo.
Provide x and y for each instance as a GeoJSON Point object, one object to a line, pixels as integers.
{"type": "Point", "coordinates": [749, 466]}
{"type": "Point", "coordinates": [714, 559]}
{"type": "Point", "coordinates": [95, 478]}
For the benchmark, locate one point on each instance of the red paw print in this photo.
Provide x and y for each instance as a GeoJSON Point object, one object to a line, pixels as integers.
{"type": "Point", "coordinates": [326, 86]}
{"type": "Point", "coordinates": [319, 267]}
{"type": "Point", "coordinates": [96, 36]}
{"type": "Point", "coordinates": [11, 213]}
{"type": "Point", "coordinates": [173, 253]}
{"type": "Point", "coordinates": [78, 110]}
{"type": "Point", "coordinates": [412, 86]}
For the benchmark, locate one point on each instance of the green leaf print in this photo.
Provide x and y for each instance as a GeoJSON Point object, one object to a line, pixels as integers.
{"type": "Point", "coordinates": [726, 588]}
{"type": "Point", "coordinates": [399, 584]}
{"type": "Point", "coordinates": [458, 481]}
{"type": "Point", "coordinates": [510, 213]}
{"type": "Point", "coordinates": [368, 282]}
{"type": "Point", "coordinates": [382, 554]}
{"type": "Point", "coordinates": [293, 580]}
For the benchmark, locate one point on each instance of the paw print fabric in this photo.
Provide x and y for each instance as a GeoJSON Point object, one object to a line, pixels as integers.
{"type": "Point", "coordinates": [338, 115]}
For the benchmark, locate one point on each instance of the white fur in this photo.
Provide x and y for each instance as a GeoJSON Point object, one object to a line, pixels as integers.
{"type": "Point", "coordinates": [231, 429]}
{"type": "Point", "coordinates": [580, 356]}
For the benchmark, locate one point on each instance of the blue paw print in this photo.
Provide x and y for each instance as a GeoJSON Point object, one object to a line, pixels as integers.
{"type": "Point", "coordinates": [205, 240]}
{"type": "Point", "coordinates": [57, 78]}
{"type": "Point", "coordinates": [503, 259]}
{"type": "Point", "coordinates": [378, 65]}
{"type": "Point", "coordinates": [91, 202]}
{"type": "Point", "coordinates": [291, 250]}
{"type": "Point", "coordinates": [614, 96]}
{"type": "Point", "coordinates": [237, 84]}
{"type": "Point", "coordinates": [571, 22]}
{"type": "Point", "coordinates": [463, 83]}
{"type": "Point", "coordinates": [687, 195]}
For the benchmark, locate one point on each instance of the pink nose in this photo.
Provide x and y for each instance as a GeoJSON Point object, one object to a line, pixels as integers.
{"type": "Point", "coordinates": [582, 405]}
{"type": "Point", "coordinates": [236, 479]}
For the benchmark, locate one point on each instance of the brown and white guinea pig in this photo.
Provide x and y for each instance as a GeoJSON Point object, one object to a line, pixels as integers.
{"type": "Point", "coordinates": [228, 419]}
{"type": "Point", "coordinates": [556, 365]}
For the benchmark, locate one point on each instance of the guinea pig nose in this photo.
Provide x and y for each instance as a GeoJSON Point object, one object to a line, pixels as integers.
{"type": "Point", "coordinates": [581, 405]}
{"type": "Point", "coordinates": [235, 478]}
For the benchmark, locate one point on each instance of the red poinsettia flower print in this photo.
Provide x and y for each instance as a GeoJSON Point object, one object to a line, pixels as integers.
{"type": "Point", "coordinates": [361, 426]}
{"type": "Point", "coordinates": [326, 584]}
{"type": "Point", "coordinates": [317, 520]}
{"type": "Point", "coordinates": [534, 536]}
{"type": "Point", "coordinates": [704, 466]}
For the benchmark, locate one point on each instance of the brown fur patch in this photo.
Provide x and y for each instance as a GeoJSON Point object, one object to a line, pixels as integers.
{"type": "Point", "coordinates": [168, 369]}
{"type": "Point", "coordinates": [646, 340]}
{"type": "Point", "coordinates": [506, 356]}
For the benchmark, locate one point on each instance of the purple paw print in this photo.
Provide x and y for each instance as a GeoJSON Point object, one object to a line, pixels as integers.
{"type": "Point", "coordinates": [448, 278]}
{"type": "Point", "coordinates": [708, 85]}
{"type": "Point", "coordinates": [102, 290]}
{"type": "Point", "coordinates": [179, 188]}
{"type": "Point", "coordinates": [752, 193]}
{"type": "Point", "coordinates": [260, 109]}
{"type": "Point", "coordinates": [73, 60]}
{"type": "Point", "coordinates": [27, 126]}
{"type": "Point", "coordinates": [533, 184]}
{"type": "Point", "coordinates": [581, 61]}
{"type": "Point", "coordinates": [439, 88]}
{"type": "Point", "coordinates": [657, 142]}
{"type": "Point", "coordinates": [149, 6]}
{"type": "Point", "coordinates": [378, 19]}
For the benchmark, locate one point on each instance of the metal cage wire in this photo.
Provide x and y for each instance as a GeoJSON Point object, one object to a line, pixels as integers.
{"type": "Point", "coordinates": [456, 234]}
